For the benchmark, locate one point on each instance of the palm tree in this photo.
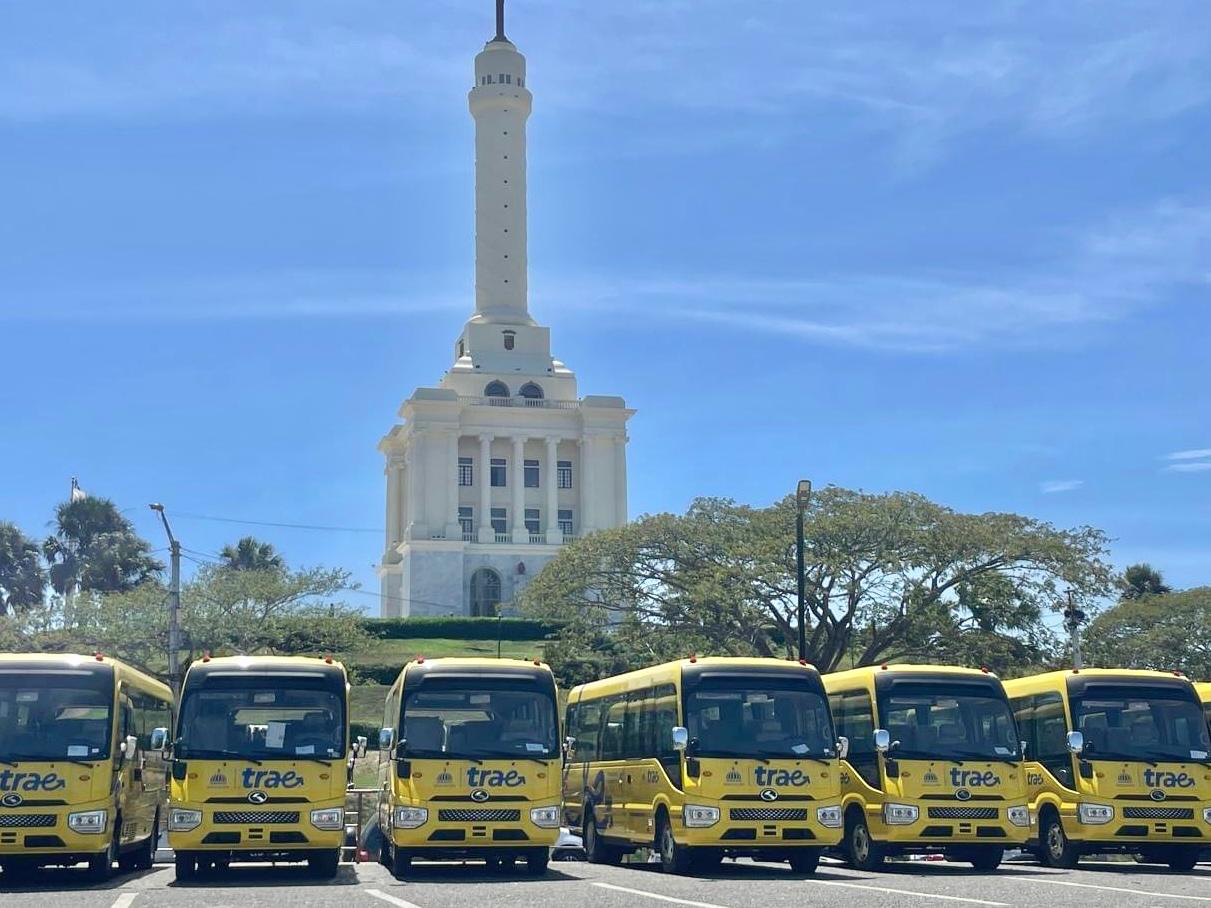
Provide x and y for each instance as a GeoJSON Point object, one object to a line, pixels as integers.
{"type": "Point", "coordinates": [22, 576]}
{"type": "Point", "coordinates": [1141, 580]}
{"type": "Point", "coordinates": [95, 548]}
{"type": "Point", "coordinates": [250, 554]}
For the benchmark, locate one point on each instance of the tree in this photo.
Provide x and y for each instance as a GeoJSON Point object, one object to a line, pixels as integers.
{"type": "Point", "coordinates": [1169, 631]}
{"type": "Point", "coordinates": [891, 576]}
{"type": "Point", "coordinates": [95, 548]}
{"type": "Point", "coordinates": [1141, 580]}
{"type": "Point", "coordinates": [22, 576]}
{"type": "Point", "coordinates": [250, 554]}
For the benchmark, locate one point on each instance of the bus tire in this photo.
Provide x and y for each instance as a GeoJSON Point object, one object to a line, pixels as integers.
{"type": "Point", "coordinates": [862, 851]}
{"type": "Point", "coordinates": [804, 860]}
{"type": "Point", "coordinates": [985, 857]}
{"type": "Point", "coordinates": [187, 867]}
{"type": "Point", "coordinates": [324, 865]}
{"type": "Point", "coordinates": [401, 863]}
{"type": "Point", "coordinates": [1057, 849]}
{"type": "Point", "coordinates": [674, 858]}
{"type": "Point", "coordinates": [597, 851]}
{"type": "Point", "coordinates": [101, 866]}
{"type": "Point", "coordinates": [537, 861]}
{"type": "Point", "coordinates": [1182, 857]}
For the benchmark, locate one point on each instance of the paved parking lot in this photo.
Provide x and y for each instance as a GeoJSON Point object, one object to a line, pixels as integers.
{"type": "Point", "coordinates": [575, 884]}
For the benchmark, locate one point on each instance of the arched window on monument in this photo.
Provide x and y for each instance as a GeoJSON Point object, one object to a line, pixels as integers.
{"type": "Point", "coordinates": [496, 389]}
{"type": "Point", "coordinates": [530, 392]}
{"type": "Point", "coordinates": [485, 593]}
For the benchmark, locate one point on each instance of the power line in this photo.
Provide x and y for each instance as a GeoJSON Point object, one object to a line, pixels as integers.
{"type": "Point", "coordinates": [269, 523]}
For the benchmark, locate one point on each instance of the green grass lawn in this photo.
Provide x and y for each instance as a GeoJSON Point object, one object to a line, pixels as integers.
{"type": "Point", "coordinates": [402, 651]}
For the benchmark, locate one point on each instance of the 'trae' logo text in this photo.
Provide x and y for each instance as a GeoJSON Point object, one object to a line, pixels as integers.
{"type": "Point", "coordinates": [494, 778]}
{"type": "Point", "coordinates": [30, 781]}
{"type": "Point", "coordinates": [767, 776]}
{"type": "Point", "coordinates": [271, 778]}
{"type": "Point", "coordinates": [1157, 778]}
{"type": "Point", "coordinates": [970, 778]}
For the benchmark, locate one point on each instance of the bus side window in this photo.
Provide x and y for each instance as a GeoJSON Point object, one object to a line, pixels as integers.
{"type": "Point", "coordinates": [854, 718]}
{"type": "Point", "coordinates": [1051, 731]}
{"type": "Point", "coordinates": [612, 732]}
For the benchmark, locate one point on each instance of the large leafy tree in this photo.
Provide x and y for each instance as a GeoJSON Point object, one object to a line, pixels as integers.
{"type": "Point", "coordinates": [94, 548]}
{"type": "Point", "coordinates": [891, 576]}
{"type": "Point", "coordinates": [1171, 631]}
{"type": "Point", "coordinates": [22, 575]}
{"type": "Point", "coordinates": [1141, 580]}
{"type": "Point", "coordinates": [250, 554]}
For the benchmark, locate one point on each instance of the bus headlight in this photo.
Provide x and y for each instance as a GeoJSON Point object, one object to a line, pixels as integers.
{"type": "Point", "coordinates": [697, 816]}
{"type": "Point", "coordinates": [88, 822]}
{"type": "Point", "coordinates": [829, 816]}
{"type": "Point", "coordinates": [180, 820]}
{"type": "Point", "coordinates": [900, 814]}
{"type": "Point", "coordinates": [409, 817]}
{"type": "Point", "coordinates": [329, 818]}
{"type": "Point", "coordinates": [1095, 814]}
{"type": "Point", "coordinates": [1207, 814]}
{"type": "Point", "coordinates": [1018, 816]}
{"type": "Point", "coordinates": [545, 817]}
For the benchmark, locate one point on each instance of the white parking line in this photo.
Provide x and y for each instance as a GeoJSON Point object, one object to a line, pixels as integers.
{"type": "Point", "coordinates": [390, 899]}
{"type": "Point", "coordinates": [1140, 892]}
{"type": "Point", "coordinates": [125, 900]}
{"type": "Point", "coordinates": [653, 895]}
{"type": "Point", "coordinates": [920, 895]}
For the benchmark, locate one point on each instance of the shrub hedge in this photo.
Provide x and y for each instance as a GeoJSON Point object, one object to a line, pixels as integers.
{"type": "Point", "coordinates": [459, 628]}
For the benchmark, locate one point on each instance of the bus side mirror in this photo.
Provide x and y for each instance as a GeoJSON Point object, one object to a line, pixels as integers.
{"type": "Point", "coordinates": [359, 749]}
{"type": "Point", "coordinates": [159, 739]}
{"type": "Point", "coordinates": [882, 740]}
{"type": "Point", "coordinates": [1076, 742]}
{"type": "Point", "coordinates": [569, 745]}
{"type": "Point", "coordinates": [129, 747]}
{"type": "Point", "coordinates": [1022, 745]}
{"type": "Point", "coordinates": [386, 738]}
{"type": "Point", "coordinates": [842, 747]}
{"type": "Point", "coordinates": [681, 738]}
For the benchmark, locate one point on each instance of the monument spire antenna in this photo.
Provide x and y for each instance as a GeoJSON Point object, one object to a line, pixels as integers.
{"type": "Point", "coordinates": [500, 21]}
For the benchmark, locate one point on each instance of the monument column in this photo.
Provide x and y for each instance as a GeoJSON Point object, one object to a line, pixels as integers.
{"type": "Point", "coordinates": [517, 481]}
{"type": "Point", "coordinates": [552, 475]}
{"type": "Point", "coordinates": [453, 529]}
{"type": "Point", "coordinates": [485, 489]}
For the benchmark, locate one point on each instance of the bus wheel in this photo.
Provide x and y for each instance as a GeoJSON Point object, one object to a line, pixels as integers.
{"type": "Point", "coordinates": [674, 858]}
{"type": "Point", "coordinates": [863, 851]}
{"type": "Point", "coordinates": [985, 857]}
{"type": "Point", "coordinates": [537, 861]}
{"type": "Point", "coordinates": [804, 860]}
{"type": "Point", "coordinates": [1058, 850]}
{"type": "Point", "coordinates": [401, 863]}
{"type": "Point", "coordinates": [597, 851]}
{"type": "Point", "coordinates": [324, 865]}
{"type": "Point", "coordinates": [101, 866]}
{"type": "Point", "coordinates": [1182, 857]}
{"type": "Point", "coordinates": [187, 866]}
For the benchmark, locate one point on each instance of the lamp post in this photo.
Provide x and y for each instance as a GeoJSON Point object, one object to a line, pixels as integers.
{"type": "Point", "coordinates": [174, 603]}
{"type": "Point", "coordinates": [802, 493]}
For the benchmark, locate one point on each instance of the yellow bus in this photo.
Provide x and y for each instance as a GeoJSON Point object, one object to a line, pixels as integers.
{"type": "Point", "coordinates": [259, 767]}
{"type": "Point", "coordinates": [1117, 761]}
{"type": "Point", "coordinates": [81, 772]}
{"type": "Point", "coordinates": [704, 758]}
{"type": "Point", "coordinates": [471, 764]}
{"type": "Point", "coordinates": [934, 764]}
{"type": "Point", "coordinates": [1204, 694]}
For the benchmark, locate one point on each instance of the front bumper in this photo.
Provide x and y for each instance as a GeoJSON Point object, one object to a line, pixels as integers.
{"type": "Point", "coordinates": [1137, 823]}
{"type": "Point", "coordinates": [460, 829]}
{"type": "Point", "coordinates": [950, 823]}
{"type": "Point", "coordinates": [755, 827]}
{"type": "Point", "coordinates": [38, 832]}
{"type": "Point", "coordinates": [271, 828]}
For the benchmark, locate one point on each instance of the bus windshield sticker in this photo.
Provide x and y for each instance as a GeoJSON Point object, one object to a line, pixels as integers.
{"type": "Point", "coordinates": [275, 735]}
{"type": "Point", "coordinates": [266, 696]}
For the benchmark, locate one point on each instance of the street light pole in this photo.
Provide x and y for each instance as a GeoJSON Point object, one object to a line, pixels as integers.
{"type": "Point", "coordinates": [802, 493]}
{"type": "Point", "coordinates": [174, 604]}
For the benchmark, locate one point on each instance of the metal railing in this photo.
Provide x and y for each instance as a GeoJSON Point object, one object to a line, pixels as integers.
{"type": "Point", "coordinates": [363, 799]}
{"type": "Point", "coordinates": [538, 539]}
{"type": "Point", "coordinates": [504, 537]}
{"type": "Point", "coordinates": [528, 402]}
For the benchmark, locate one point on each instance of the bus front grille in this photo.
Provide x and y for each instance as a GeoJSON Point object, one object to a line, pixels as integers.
{"type": "Point", "coordinates": [26, 820]}
{"type": "Point", "coordinates": [255, 817]}
{"type": "Point", "coordinates": [484, 815]}
{"type": "Point", "coordinates": [761, 814]}
{"type": "Point", "coordinates": [1158, 813]}
{"type": "Point", "coordinates": [962, 813]}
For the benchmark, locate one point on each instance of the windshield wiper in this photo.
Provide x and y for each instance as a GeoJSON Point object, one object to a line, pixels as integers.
{"type": "Point", "coordinates": [483, 755]}
{"type": "Point", "coordinates": [219, 755]}
{"type": "Point", "coordinates": [38, 758]}
{"type": "Point", "coordinates": [991, 758]}
{"type": "Point", "coordinates": [1112, 755]}
{"type": "Point", "coordinates": [736, 754]}
{"type": "Point", "coordinates": [779, 755]}
{"type": "Point", "coordinates": [899, 754]}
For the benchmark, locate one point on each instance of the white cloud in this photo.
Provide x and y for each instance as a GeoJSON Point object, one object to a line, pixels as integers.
{"type": "Point", "coordinates": [1054, 486]}
{"type": "Point", "coordinates": [1196, 454]}
{"type": "Point", "coordinates": [1197, 466]}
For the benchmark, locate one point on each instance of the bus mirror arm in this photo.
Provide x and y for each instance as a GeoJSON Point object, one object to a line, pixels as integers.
{"type": "Point", "coordinates": [842, 747]}
{"type": "Point", "coordinates": [569, 745]}
{"type": "Point", "coordinates": [1022, 745]}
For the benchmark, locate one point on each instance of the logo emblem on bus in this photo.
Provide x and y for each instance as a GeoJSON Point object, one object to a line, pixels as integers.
{"type": "Point", "coordinates": [479, 795]}
{"type": "Point", "coordinates": [1156, 794]}
{"type": "Point", "coordinates": [12, 799]}
{"type": "Point", "coordinates": [963, 794]}
{"type": "Point", "coordinates": [258, 797]}
{"type": "Point", "coordinates": [768, 794]}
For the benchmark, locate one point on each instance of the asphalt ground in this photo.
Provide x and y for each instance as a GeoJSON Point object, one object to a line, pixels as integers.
{"type": "Point", "coordinates": [571, 884]}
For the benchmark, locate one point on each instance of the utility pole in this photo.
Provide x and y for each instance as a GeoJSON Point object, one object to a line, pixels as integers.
{"type": "Point", "coordinates": [174, 604]}
{"type": "Point", "coordinates": [1073, 619]}
{"type": "Point", "coordinates": [802, 493]}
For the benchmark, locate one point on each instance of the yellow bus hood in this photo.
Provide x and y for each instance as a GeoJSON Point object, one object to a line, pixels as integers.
{"type": "Point", "coordinates": [483, 781]}
{"type": "Point", "coordinates": [28, 784]}
{"type": "Point", "coordinates": [971, 780]}
{"type": "Point", "coordinates": [720, 777]}
{"type": "Point", "coordinates": [231, 781]}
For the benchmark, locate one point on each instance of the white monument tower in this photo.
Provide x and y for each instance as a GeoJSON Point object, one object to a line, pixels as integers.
{"type": "Point", "coordinates": [502, 463]}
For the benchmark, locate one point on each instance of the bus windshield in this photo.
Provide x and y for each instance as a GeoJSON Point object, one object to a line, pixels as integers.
{"type": "Point", "coordinates": [949, 721]}
{"type": "Point", "coordinates": [55, 715]}
{"type": "Point", "coordinates": [466, 718]}
{"type": "Point", "coordinates": [743, 717]}
{"type": "Point", "coordinates": [1141, 722]}
{"type": "Point", "coordinates": [279, 717]}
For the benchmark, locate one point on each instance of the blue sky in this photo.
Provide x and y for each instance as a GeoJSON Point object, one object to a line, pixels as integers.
{"type": "Point", "coordinates": [959, 248]}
